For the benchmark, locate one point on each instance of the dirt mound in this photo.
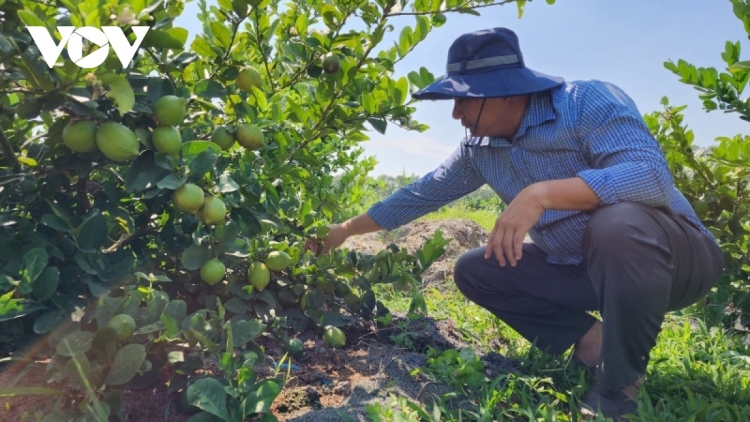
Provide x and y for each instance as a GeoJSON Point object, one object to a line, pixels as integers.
{"type": "Point", "coordinates": [466, 235]}
{"type": "Point", "coordinates": [328, 383]}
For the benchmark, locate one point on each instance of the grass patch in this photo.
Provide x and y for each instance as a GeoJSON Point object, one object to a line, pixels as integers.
{"type": "Point", "coordinates": [696, 373]}
{"type": "Point", "coordinates": [484, 218]}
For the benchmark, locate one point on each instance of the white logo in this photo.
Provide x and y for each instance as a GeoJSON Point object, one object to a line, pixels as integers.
{"type": "Point", "coordinates": [73, 38]}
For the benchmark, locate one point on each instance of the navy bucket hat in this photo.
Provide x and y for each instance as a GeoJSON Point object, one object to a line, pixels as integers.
{"type": "Point", "coordinates": [485, 64]}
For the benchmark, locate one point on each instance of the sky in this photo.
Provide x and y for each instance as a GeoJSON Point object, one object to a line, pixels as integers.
{"type": "Point", "coordinates": [624, 42]}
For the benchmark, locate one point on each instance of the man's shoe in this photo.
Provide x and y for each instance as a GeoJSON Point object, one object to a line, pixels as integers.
{"type": "Point", "coordinates": [612, 404]}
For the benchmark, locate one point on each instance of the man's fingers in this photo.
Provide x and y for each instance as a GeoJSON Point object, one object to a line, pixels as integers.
{"type": "Point", "coordinates": [508, 247]}
{"type": "Point", "coordinates": [518, 244]}
{"type": "Point", "coordinates": [497, 246]}
{"type": "Point", "coordinates": [489, 249]}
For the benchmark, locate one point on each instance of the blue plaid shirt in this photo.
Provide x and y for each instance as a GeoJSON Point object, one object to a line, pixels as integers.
{"type": "Point", "coordinates": [588, 129]}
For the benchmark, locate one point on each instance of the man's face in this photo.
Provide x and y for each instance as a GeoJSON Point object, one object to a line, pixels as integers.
{"type": "Point", "coordinates": [467, 110]}
{"type": "Point", "coordinates": [497, 117]}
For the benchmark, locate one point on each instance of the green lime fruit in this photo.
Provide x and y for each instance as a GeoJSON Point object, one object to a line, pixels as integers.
{"type": "Point", "coordinates": [124, 326]}
{"type": "Point", "coordinates": [213, 271]}
{"type": "Point", "coordinates": [167, 139]}
{"type": "Point", "coordinates": [342, 289]}
{"type": "Point", "coordinates": [334, 337]}
{"type": "Point", "coordinates": [170, 110]}
{"type": "Point", "coordinates": [222, 138]}
{"type": "Point", "coordinates": [248, 78]}
{"type": "Point", "coordinates": [80, 136]}
{"type": "Point", "coordinates": [258, 275]}
{"type": "Point", "coordinates": [117, 142]}
{"type": "Point", "coordinates": [352, 300]}
{"type": "Point", "coordinates": [331, 64]}
{"type": "Point", "coordinates": [250, 136]}
{"type": "Point", "coordinates": [294, 346]}
{"type": "Point", "coordinates": [188, 198]}
{"type": "Point", "coordinates": [213, 210]}
{"type": "Point", "coordinates": [277, 260]}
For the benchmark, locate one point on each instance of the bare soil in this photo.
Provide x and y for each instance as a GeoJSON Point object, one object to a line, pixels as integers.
{"type": "Point", "coordinates": [323, 381]}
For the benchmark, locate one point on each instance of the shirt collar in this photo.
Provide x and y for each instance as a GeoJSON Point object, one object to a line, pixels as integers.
{"type": "Point", "coordinates": [538, 111]}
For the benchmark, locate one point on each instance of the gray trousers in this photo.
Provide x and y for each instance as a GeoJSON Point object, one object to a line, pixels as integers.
{"type": "Point", "coordinates": [639, 263]}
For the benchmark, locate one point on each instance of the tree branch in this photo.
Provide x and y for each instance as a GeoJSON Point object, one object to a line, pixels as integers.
{"type": "Point", "coordinates": [10, 155]}
{"type": "Point", "coordinates": [466, 5]}
{"type": "Point", "coordinates": [124, 241]}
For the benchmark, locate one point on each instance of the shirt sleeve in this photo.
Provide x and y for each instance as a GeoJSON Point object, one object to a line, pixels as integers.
{"type": "Point", "coordinates": [455, 178]}
{"type": "Point", "coordinates": [627, 163]}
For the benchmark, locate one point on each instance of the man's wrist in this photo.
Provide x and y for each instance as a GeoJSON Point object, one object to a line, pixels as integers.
{"type": "Point", "coordinates": [540, 194]}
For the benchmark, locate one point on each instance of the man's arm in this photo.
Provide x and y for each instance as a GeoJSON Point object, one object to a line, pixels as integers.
{"type": "Point", "coordinates": [627, 164]}
{"type": "Point", "coordinates": [338, 233]}
{"type": "Point", "coordinates": [506, 238]}
{"type": "Point", "coordinates": [455, 178]}
{"type": "Point", "coordinates": [564, 194]}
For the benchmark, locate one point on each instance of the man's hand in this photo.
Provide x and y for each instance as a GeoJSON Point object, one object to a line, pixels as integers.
{"type": "Point", "coordinates": [337, 235]}
{"type": "Point", "coordinates": [506, 239]}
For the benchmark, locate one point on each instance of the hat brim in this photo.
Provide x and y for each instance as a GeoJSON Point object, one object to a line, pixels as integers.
{"type": "Point", "coordinates": [498, 83]}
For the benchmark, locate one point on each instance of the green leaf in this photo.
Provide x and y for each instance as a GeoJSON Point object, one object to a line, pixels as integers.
{"type": "Point", "coordinates": [221, 32]}
{"type": "Point", "coordinates": [208, 88]}
{"type": "Point", "coordinates": [369, 103]}
{"type": "Point", "coordinates": [202, 164]}
{"type": "Point", "coordinates": [62, 416]}
{"type": "Point", "coordinates": [261, 396]}
{"type": "Point", "coordinates": [195, 256]}
{"type": "Point", "coordinates": [28, 391]}
{"type": "Point", "coordinates": [74, 343]}
{"type": "Point", "coordinates": [30, 19]}
{"type": "Point", "coordinates": [201, 47]}
{"type": "Point", "coordinates": [92, 233]}
{"type": "Point", "coordinates": [331, 15]}
{"type": "Point", "coordinates": [192, 149]}
{"type": "Point", "coordinates": [15, 308]}
{"type": "Point", "coordinates": [739, 67]}
{"type": "Point", "coordinates": [156, 307]}
{"type": "Point", "coordinates": [143, 173]}
{"type": "Point", "coordinates": [162, 39]}
{"type": "Point", "coordinates": [127, 363]}
{"type": "Point", "coordinates": [105, 342]}
{"type": "Point", "coordinates": [416, 80]}
{"type": "Point", "coordinates": [171, 182]}
{"type": "Point", "coordinates": [33, 264]}
{"type": "Point", "coordinates": [48, 321]}
{"type": "Point", "coordinates": [378, 124]}
{"type": "Point", "coordinates": [245, 331]}
{"type": "Point", "coordinates": [180, 34]}
{"type": "Point", "coordinates": [205, 416]}
{"type": "Point", "coordinates": [209, 395]}
{"type": "Point", "coordinates": [55, 222]}
{"type": "Point", "coordinates": [46, 284]}
{"type": "Point", "coordinates": [120, 90]}
{"type": "Point", "coordinates": [226, 184]}
{"type": "Point", "coordinates": [172, 317]}
{"type": "Point", "coordinates": [237, 306]}
{"type": "Point", "coordinates": [405, 41]}
{"type": "Point", "coordinates": [207, 342]}
{"type": "Point", "coordinates": [401, 91]}
{"type": "Point", "coordinates": [301, 24]}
